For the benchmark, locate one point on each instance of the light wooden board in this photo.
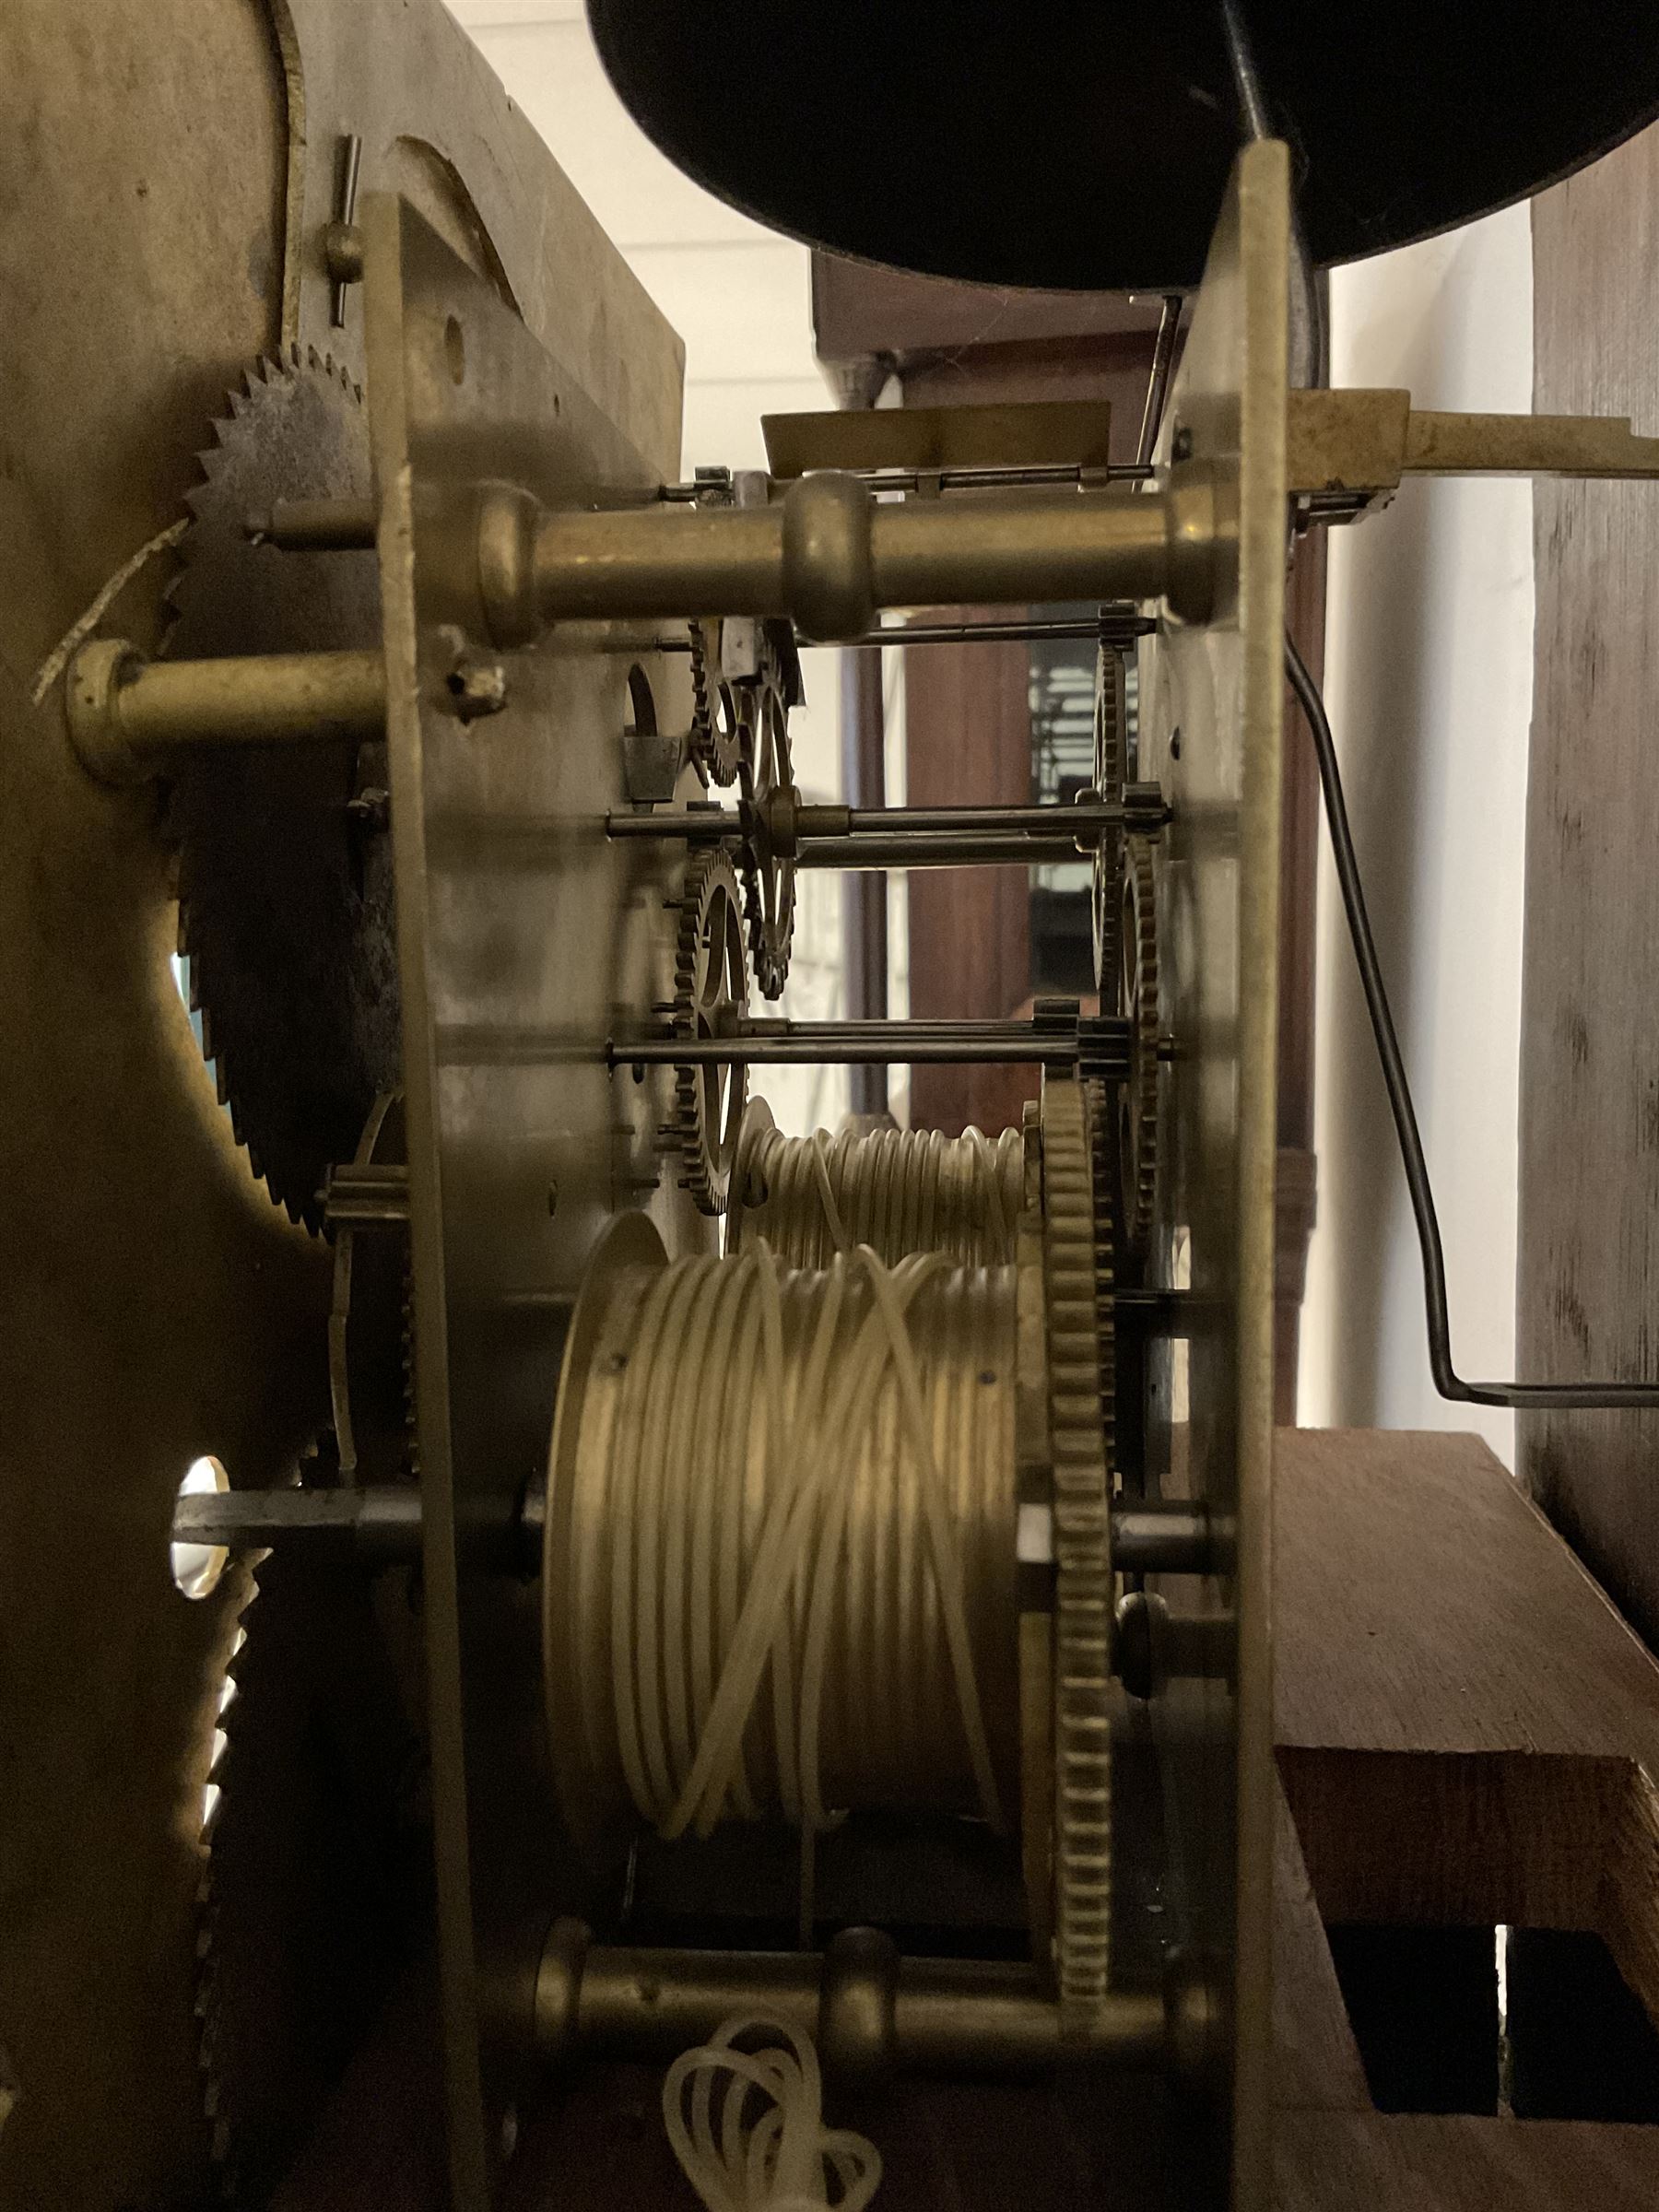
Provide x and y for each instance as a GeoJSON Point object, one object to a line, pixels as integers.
{"type": "Point", "coordinates": [1588, 1258]}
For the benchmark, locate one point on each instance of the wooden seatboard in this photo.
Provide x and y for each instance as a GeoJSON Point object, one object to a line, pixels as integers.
{"type": "Point", "coordinates": [1438, 2162]}
{"type": "Point", "coordinates": [1467, 1728]}
{"type": "Point", "coordinates": [1423, 1604]}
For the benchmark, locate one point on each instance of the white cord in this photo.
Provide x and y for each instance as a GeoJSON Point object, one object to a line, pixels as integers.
{"type": "Point", "coordinates": [79, 630]}
{"type": "Point", "coordinates": [718, 1584]}
{"type": "Point", "coordinates": [784, 2159]}
{"type": "Point", "coordinates": [897, 1190]}
{"type": "Point", "coordinates": [820, 1168]}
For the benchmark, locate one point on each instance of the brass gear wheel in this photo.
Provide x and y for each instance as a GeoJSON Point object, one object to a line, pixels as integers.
{"type": "Point", "coordinates": [315, 1888]}
{"type": "Point", "coordinates": [1100, 1108]}
{"type": "Point", "coordinates": [710, 990]}
{"type": "Point", "coordinates": [768, 870]}
{"type": "Point", "coordinates": [716, 734]}
{"type": "Point", "coordinates": [1110, 743]}
{"type": "Point", "coordinates": [1080, 1454]}
{"type": "Point", "coordinates": [729, 710]}
{"type": "Point", "coordinates": [283, 863]}
{"type": "Point", "coordinates": [1138, 1097]}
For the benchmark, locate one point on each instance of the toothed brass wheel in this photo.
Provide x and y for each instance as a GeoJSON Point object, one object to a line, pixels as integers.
{"type": "Point", "coordinates": [1079, 1448]}
{"type": "Point", "coordinates": [1110, 736]}
{"type": "Point", "coordinates": [1138, 1095]}
{"type": "Point", "coordinates": [284, 861]}
{"type": "Point", "coordinates": [711, 977]}
{"type": "Point", "coordinates": [717, 731]}
{"type": "Point", "coordinates": [769, 866]}
{"type": "Point", "coordinates": [313, 1887]}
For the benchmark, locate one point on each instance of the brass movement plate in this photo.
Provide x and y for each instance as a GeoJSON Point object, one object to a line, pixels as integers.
{"type": "Point", "coordinates": [1211, 703]}
{"type": "Point", "coordinates": [526, 938]}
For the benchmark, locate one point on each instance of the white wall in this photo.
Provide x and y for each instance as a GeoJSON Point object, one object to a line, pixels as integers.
{"type": "Point", "coordinates": [1429, 681]}
{"type": "Point", "coordinates": [739, 296]}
